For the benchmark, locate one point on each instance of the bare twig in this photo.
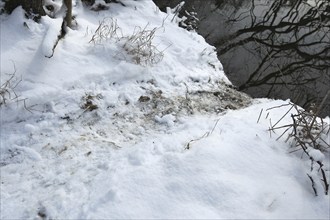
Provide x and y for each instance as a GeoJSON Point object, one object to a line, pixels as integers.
{"type": "Point", "coordinates": [59, 37]}
{"type": "Point", "coordinates": [306, 133]}
{"type": "Point", "coordinates": [313, 184]}
{"type": "Point", "coordinates": [260, 115]}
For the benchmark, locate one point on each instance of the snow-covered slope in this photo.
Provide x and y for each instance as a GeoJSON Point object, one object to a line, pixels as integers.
{"type": "Point", "coordinates": [99, 132]}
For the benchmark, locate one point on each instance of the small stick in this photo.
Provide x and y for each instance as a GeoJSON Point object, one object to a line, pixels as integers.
{"type": "Point", "coordinates": [313, 184]}
{"type": "Point", "coordinates": [260, 115]}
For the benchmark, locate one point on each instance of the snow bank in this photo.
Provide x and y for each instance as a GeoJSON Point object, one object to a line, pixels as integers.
{"type": "Point", "coordinates": [100, 136]}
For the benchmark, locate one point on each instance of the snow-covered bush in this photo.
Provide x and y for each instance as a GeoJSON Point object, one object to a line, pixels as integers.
{"type": "Point", "coordinates": [189, 21]}
{"type": "Point", "coordinates": [185, 19]}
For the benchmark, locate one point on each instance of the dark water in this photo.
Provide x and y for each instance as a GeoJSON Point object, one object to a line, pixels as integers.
{"type": "Point", "coordinates": [240, 62]}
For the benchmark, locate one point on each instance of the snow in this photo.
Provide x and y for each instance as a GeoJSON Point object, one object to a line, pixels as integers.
{"type": "Point", "coordinates": [317, 155]}
{"type": "Point", "coordinates": [102, 137]}
{"type": "Point", "coordinates": [51, 36]}
{"type": "Point", "coordinates": [169, 119]}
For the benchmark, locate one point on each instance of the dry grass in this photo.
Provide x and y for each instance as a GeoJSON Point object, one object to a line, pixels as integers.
{"type": "Point", "coordinates": [139, 45]}
{"type": "Point", "coordinates": [107, 29]}
{"type": "Point", "coordinates": [7, 89]}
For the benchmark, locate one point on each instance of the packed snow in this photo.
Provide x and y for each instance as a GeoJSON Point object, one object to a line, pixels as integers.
{"type": "Point", "coordinates": [109, 129]}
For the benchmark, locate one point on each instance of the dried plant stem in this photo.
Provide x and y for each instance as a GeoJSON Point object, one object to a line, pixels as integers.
{"type": "Point", "coordinates": [307, 132]}
{"type": "Point", "coordinates": [313, 184]}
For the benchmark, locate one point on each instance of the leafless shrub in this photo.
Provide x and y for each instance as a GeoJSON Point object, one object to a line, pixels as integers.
{"type": "Point", "coordinates": [140, 46]}
{"type": "Point", "coordinates": [107, 29]}
{"type": "Point", "coordinates": [308, 133]}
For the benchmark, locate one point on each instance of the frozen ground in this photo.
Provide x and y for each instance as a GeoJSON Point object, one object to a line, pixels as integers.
{"type": "Point", "coordinates": [104, 134]}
